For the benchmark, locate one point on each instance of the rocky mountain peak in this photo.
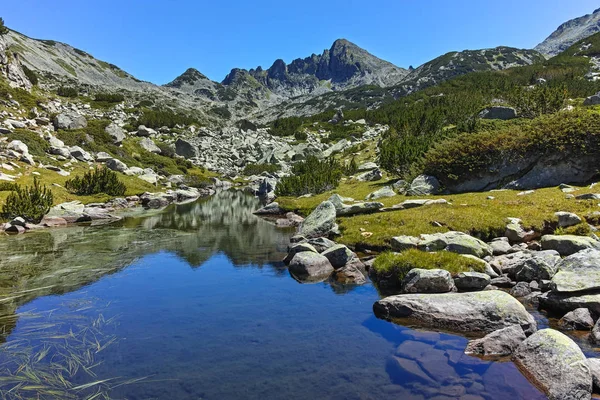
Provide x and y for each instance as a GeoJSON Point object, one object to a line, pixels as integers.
{"type": "Point", "coordinates": [569, 33]}
{"type": "Point", "coordinates": [189, 77]}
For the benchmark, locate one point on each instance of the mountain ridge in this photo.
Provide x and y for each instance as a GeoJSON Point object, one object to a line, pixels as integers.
{"type": "Point", "coordinates": [569, 33]}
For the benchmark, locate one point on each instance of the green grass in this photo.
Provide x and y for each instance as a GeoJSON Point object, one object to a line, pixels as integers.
{"type": "Point", "coordinates": [471, 213]}
{"type": "Point", "coordinates": [66, 66]}
{"type": "Point", "coordinates": [37, 146]}
{"type": "Point", "coordinates": [401, 263]}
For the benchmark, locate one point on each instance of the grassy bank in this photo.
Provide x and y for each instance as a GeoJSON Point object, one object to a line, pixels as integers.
{"type": "Point", "coordinates": [472, 213]}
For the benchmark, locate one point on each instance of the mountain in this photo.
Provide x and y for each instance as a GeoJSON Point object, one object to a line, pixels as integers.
{"type": "Point", "coordinates": [569, 33]}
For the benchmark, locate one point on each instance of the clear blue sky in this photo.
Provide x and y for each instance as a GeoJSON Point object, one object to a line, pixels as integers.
{"type": "Point", "coordinates": [158, 40]}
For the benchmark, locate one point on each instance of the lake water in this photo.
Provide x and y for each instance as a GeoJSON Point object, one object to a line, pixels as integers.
{"type": "Point", "coordinates": [193, 303]}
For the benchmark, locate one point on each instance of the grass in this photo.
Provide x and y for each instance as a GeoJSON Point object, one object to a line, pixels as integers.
{"type": "Point", "coordinates": [401, 263]}
{"type": "Point", "coordinates": [471, 213]}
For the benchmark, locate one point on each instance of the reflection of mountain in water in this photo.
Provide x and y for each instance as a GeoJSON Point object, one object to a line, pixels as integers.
{"type": "Point", "coordinates": [56, 261]}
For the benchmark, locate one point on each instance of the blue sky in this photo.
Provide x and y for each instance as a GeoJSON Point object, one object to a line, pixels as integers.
{"type": "Point", "coordinates": [158, 40]}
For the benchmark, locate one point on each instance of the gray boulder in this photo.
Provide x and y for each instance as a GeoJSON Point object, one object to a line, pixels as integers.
{"type": "Point", "coordinates": [103, 157]}
{"type": "Point", "coordinates": [266, 186]}
{"type": "Point", "coordinates": [521, 289]}
{"type": "Point", "coordinates": [80, 154]}
{"type": "Point", "coordinates": [428, 281]}
{"type": "Point", "coordinates": [595, 335]}
{"type": "Point", "coordinates": [18, 146]}
{"type": "Point", "coordinates": [185, 149]}
{"type": "Point", "coordinates": [500, 246]}
{"type": "Point", "coordinates": [69, 120]}
{"type": "Point", "coordinates": [298, 248]}
{"type": "Point", "coordinates": [456, 242]}
{"type": "Point", "coordinates": [556, 365]}
{"type": "Point", "coordinates": [310, 267]}
{"type": "Point", "coordinates": [368, 166]}
{"type": "Point", "coordinates": [498, 112]}
{"type": "Point", "coordinates": [149, 145]}
{"type": "Point", "coordinates": [349, 275]}
{"type": "Point", "coordinates": [568, 244]}
{"type": "Point", "coordinates": [339, 255]}
{"type": "Point", "coordinates": [502, 342]}
{"type": "Point", "coordinates": [485, 311]}
{"type": "Point", "coordinates": [321, 244]}
{"type": "Point", "coordinates": [578, 272]}
{"type": "Point", "coordinates": [402, 243]}
{"type": "Point", "coordinates": [270, 209]}
{"type": "Point", "coordinates": [385, 191]}
{"type": "Point", "coordinates": [566, 219]}
{"type": "Point", "coordinates": [565, 302]}
{"type": "Point", "coordinates": [471, 281]}
{"type": "Point", "coordinates": [579, 319]}
{"type": "Point", "coordinates": [145, 132]}
{"type": "Point", "coordinates": [370, 176]}
{"type": "Point", "coordinates": [320, 222]}
{"type": "Point", "coordinates": [592, 100]}
{"type": "Point", "coordinates": [594, 366]}
{"type": "Point", "coordinates": [424, 185]}
{"type": "Point", "coordinates": [116, 165]}
{"type": "Point", "coordinates": [117, 133]}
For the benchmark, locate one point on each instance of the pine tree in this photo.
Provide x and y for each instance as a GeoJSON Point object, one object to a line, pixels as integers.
{"type": "Point", "coordinates": [3, 29]}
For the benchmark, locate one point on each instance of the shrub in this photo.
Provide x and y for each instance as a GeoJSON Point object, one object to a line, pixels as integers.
{"type": "Point", "coordinates": [400, 264]}
{"type": "Point", "coordinates": [32, 76]}
{"type": "Point", "coordinates": [7, 186]}
{"type": "Point", "coordinates": [285, 126]}
{"type": "Point", "coordinates": [31, 203]}
{"type": "Point", "coordinates": [158, 119]}
{"type": "Point", "coordinates": [311, 176]}
{"type": "Point", "coordinates": [257, 169]}
{"type": "Point", "coordinates": [37, 146]}
{"type": "Point", "coordinates": [66, 91]}
{"type": "Point", "coordinates": [100, 180]}
{"type": "Point", "coordinates": [3, 29]}
{"type": "Point", "coordinates": [300, 135]}
{"type": "Point", "coordinates": [109, 97]}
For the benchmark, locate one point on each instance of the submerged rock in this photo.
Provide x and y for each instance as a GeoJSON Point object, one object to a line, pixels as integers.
{"type": "Point", "coordinates": [485, 311]}
{"type": "Point", "coordinates": [556, 365]}
{"type": "Point", "coordinates": [502, 342]}
{"type": "Point", "coordinates": [579, 319]}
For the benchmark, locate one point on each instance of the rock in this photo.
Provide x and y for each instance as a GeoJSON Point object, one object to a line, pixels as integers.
{"type": "Point", "coordinates": [320, 222]}
{"type": "Point", "coordinates": [359, 208]}
{"type": "Point", "coordinates": [133, 171]}
{"type": "Point", "coordinates": [349, 275]}
{"type": "Point", "coordinates": [402, 243]}
{"type": "Point", "coordinates": [117, 133]}
{"type": "Point", "coordinates": [456, 242]}
{"type": "Point", "coordinates": [18, 146]}
{"type": "Point", "coordinates": [186, 149]}
{"type": "Point", "coordinates": [80, 154]}
{"type": "Point", "coordinates": [502, 342]}
{"type": "Point", "coordinates": [298, 248]}
{"type": "Point", "coordinates": [424, 185]}
{"type": "Point", "coordinates": [53, 221]}
{"type": "Point", "coordinates": [368, 166]}
{"type": "Point", "coordinates": [588, 196]}
{"type": "Point", "coordinates": [562, 303]}
{"type": "Point", "coordinates": [385, 191]}
{"type": "Point", "coordinates": [498, 112]}
{"type": "Point", "coordinates": [400, 186]}
{"type": "Point", "coordinates": [156, 200]}
{"type": "Point", "coordinates": [515, 232]}
{"type": "Point", "coordinates": [60, 151]}
{"type": "Point", "coordinates": [339, 255]}
{"type": "Point", "coordinates": [578, 272]}
{"type": "Point", "coordinates": [568, 244]}
{"type": "Point", "coordinates": [428, 281]}
{"type": "Point", "coordinates": [15, 229]}
{"type": "Point", "coordinates": [321, 244]}
{"type": "Point", "coordinates": [500, 246]}
{"type": "Point", "coordinates": [69, 120]}
{"type": "Point", "coordinates": [270, 209]}
{"type": "Point", "coordinates": [566, 219]}
{"type": "Point", "coordinates": [592, 100]}
{"type": "Point", "coordinates": [266, 186]}
{"type": "Point", "coordinates": [595, 335]}
{"type": "Point", "coordinates": [18, 221]}
{"type": "Point", "coordinates": [485, 311]}
{"type": "Point", "coordinates": [145, 132]}
{"type": "Point", "coordinates": [521, 289]}
{"type": "Point", "coordinates": [149, 145]}
{"type": "Point", "coordinates": [594, 366]}
{"type": "Point", "coordinates": [556, 365]}
{"type": "Point", "coordinates": [526, 266]}
{"type": "Point", "coordinates": [150, 178]}
{"type": "Point", "coordinates": [370, 176]}
{"type": "Point", "coordinates": [291, 220]}
{"type": "Point", "coordinates": [103, 157]}
{"type": "Point", "coordinates": [310, 267]}
{"type": "Point", "coordinates": [471, 281]}
{"type": "Point", "coordinates": [579, 319]}
{"type": "Point", "coordinates": [116, 165]}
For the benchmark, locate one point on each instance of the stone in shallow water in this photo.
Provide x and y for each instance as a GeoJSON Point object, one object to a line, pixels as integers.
{"type": "Point", "coordinates": [556, 365]}
{"type": "Point", "coordinates": [578, 319]}
{"type": "Point", "coordinates": [339, 255]}
{"type": "Point", "coordinates": [485, 311]}
{"type": "Point", "coordinates": [502, 342]}
{"type": "Point", "coordinates": [310, 267]}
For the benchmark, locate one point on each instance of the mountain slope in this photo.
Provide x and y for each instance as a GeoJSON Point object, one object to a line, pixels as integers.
{"type": "Point", "coordinates": [570, 32]}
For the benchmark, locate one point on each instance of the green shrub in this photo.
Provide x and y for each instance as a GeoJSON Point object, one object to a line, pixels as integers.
{"type": "Point", "coordinates": [37, 146]}
{"type": "Point", "coordinates": [7, 186]}
{"type": "Point", "coordinates": [66, 91]}
{"type": "Point", "coordinates": [158, 119]}
{"type": "Point", "coordinates": [300, 135]}
{"type": "Point", "coordinates": [3, 29]}
{"type": "Point", "coordinates": [31, 203]}
{"type": "Point", "coordinates": [285, 126]}
{"type": "Point", "coordinates": [400, 264]}
{"type": "Point", "coordinates": [145, 103]}
{"type": "Point", "coordinates": [257, 169]}
{"type": "Point", "coordinates": [311, 176]}
{"type": "Point", "coordinates": [109, 97]}
{"type": "Point", "coordinates": [100, 180]}
{"type": "Point", "coordinates": [197, 181]}
{"type": "Point", "coordinates": [32, 76]}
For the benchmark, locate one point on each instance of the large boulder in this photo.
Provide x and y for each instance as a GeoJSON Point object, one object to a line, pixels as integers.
{"type": "Point", "coordinates": [579, 319]}
{"type": "Point", "coordinates": [568, 244]}
{"type": "Point", "coordinates": [349, 275]}
{"type": "Point", "coordinates": [320, 222]}
{"type": "Point", "coordinates": [18, 146]}
{"type": "Point", "coordinates": [424, 185]}
{"type": "Point", "coordinates": [527, 266]}
{"type": "Point", "coordinates": [471, 281]}
{"type": "Point", "coordinates": [298, 248]}
{"type": "Point", "coordinates": [186, 149]}
{"type": "Point", "coordinates": [556, 365]}
{"type": "Point", "coordinates": [456, 242]}
{"type": "Point", "coordinates": [116, 165]}
{"type": "Point", "coordinates": [80, 154]}
{"type": "Point", "coordinates": [339, 255]}
{"type": "Point", "coordinates": [149, 145]}
{"type": "Point", "coordinates": [69, 120]}
{"type": "Point", "coordinates": [310, 267]}
{"type": "Point", "coordinates": [419, 280]}
{"type": "Point", "coordinates": [385, 191]}
{"type": "Point", "coordinates": [578, 272]}
{"type": "Point", "coordinates": [567, 219]}
{"type": "Point", "coordinates": [116, 133]}
{"type": "Point", "coordinates": [498, 112]}
{"type": "Point", "coordinates": [482, 312]}
{"type": "Point", "coordinates": [370, 176]}
{"type": "Point", "coordinates": [502, 342]}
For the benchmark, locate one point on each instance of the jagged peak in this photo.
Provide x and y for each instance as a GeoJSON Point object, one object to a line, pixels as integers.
{"type": "Point", "coordinates": [189, 77]}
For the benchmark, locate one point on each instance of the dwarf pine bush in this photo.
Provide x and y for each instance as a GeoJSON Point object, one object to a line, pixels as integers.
{"type": "Point", "coordinates": [100, 180]}
{"type": "Point", "coordinates": [311, 176]}
{"type": "Point", "coordinates": [29, 202]}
